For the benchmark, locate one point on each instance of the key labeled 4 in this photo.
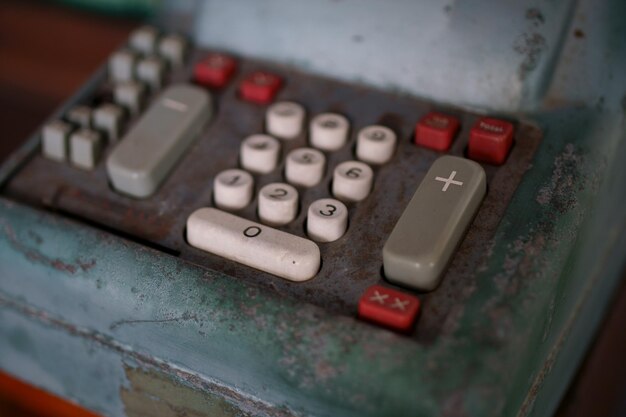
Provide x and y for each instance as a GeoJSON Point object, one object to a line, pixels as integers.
{"type": "Point", "coordinates": [390, 308]}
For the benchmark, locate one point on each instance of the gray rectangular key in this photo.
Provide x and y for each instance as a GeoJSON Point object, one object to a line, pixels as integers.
{"type": "Point", "coordinates": [145, 156]}
{"type": "Point", "coordinates": [431, 227]}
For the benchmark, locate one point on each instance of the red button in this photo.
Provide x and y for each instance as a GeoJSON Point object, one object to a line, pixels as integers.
{"type": "Point", "coordinates": [490, 140]}
{"type": "Point", "coordinates": [436, 131]}
{"type": "Point", "coordinates": [390, 308]}
{"type": "Point", "coordinates": [260, 87]}
{"type": "Point", "coordinates": [215, 70]}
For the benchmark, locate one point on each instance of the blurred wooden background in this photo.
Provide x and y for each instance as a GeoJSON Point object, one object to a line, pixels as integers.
{"type": "Point", "coordinates": [48, 51]}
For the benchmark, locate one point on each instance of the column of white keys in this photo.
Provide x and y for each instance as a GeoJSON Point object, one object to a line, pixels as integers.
{"type": "Point", "coordinates": [253, 244]}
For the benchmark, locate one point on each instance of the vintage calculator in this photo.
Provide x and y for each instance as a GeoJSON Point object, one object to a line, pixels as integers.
{"type": "Point", "coordinates": [227, 233]}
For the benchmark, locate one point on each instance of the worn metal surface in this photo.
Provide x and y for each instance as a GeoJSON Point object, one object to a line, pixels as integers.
{"type": "Point", "coordinates": [350, 264]}
{"type": "Point", "coordinates": [275, 356]}
{"type": "Point", "coordinates": [480, 53]}
{"type": "Point", "coordinates": [506, 347]}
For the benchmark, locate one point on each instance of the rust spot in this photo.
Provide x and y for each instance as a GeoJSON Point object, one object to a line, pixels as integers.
{"type": "Point", "coordinates": [578, 33]}
{"type": "Point", "coordinates": [535, 17]}
{"type": "Point", "coordinates": [86, 266]}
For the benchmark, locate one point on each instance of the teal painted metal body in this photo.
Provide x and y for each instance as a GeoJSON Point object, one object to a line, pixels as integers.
{"type": "Point", "coordinates": [79, 306]}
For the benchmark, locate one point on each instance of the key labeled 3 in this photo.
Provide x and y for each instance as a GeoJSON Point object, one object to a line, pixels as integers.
{"type": "Point", "coordinates": [305, 167]}
{"type": "Point", "coordinates": [259, 153]}
{"type": "Point", "coordinates": [375, 144]}
{"type": "Point", "coordinates": [232, 189]}
{"type": "Point", "coordinates": [278, 204]}
{"type": "Point", "coordinates": [327, 220]}
{"type": "Point", "coordinates": [352, 181]}
{"type": "Point", "coordinates": [329, 131]}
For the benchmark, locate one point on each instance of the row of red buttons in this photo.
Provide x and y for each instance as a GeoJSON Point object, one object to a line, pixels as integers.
{"type": "Point", "coordinates": [490, 139]}
{"type": "Point", "coordinates": [216, 70]}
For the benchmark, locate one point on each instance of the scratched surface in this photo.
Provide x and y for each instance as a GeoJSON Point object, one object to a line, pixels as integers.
{"type": "Point", "coordinates": [350, 264]}
{"type": "Point", "coordinates": [272, 355]}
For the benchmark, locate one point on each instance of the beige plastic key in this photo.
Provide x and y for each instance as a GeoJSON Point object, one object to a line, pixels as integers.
{"type": "Point", "coordinates": [432, 225]}
{"type": "Point", "coordinates": [143, 159]}
{"type": "Point", "coordinates": [258, 246]}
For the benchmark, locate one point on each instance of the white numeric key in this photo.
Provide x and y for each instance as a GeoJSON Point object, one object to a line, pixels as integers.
{"type": "Point", "coordinates": [232, 189]}
{"type": "Point", "coordinates": [327, 220]}
{"type": "Point", "coordinates": [259, 153]}
{"type": "Point", "coordinates": [329, 131]}
{"type": "Point", "coordinates": [122, 65]}
{"type": "Point", "coordinates": [252, 244]}
{"type": "Point", "coordinates": [375, 144]}
{"type": "Point", "coordinates": [284, 119]}
{"type": "Point", "coordinates": [352, 181]}
{"type": "Point", "coordinates": [278, 204]}
{"type": "Point", "coordinates": [144, 39]}
{"type": "Point", "coordinates": [305, 167]}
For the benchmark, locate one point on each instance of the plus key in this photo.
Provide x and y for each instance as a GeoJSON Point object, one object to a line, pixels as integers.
{"type": "Point", "coordinates": [390, 308]}
{"type": "Point", "coordinates": [425, 237]}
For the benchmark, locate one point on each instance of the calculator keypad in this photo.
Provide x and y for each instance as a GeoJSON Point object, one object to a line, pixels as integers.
{"type": "Point", "coordinates": [334, 150]}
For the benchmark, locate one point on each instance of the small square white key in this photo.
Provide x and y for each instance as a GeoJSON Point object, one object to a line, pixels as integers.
{"type": "Point", "coordinates": [278, 204]}
{"type": "Point", "coordinates": [329, 131]}
{"type": "Point", "coordinates": [85, 148]}
{"type": "Point", "coordinates": [284, 119]}
{"type": "Point", "coordinates": [130, 95]}
{"type": "Point", "coordinates": [352, 181]}
{"type": "Point", "coordinates": [54, 140]}
{"type": "Point", "coordinates": [122, 65]}
{"type": "Point", "coordinates": [375, 144]}
{"type": "Point", "coordinates": [108, 118]}
{"type": "Point", "coordinates": [144, 39]}
{"type": "Point", "coordinates": [151, 70]}
{"type": "Point", "coordinates": [173, 48]}
{"type": "Point", "coordinates": [80, 115]}
{"type": "Point", "coordinates": [305, 167]}
{"type": "Point", "coordinates": [259, 153]}
{"type": "Point", "coordinates": [327, 220]}
{"type": "Point", "coordinates": [232, 189]}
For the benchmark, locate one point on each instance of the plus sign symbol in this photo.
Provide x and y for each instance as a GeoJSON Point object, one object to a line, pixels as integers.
{"type": "Point", "coordinates": [449, 181]}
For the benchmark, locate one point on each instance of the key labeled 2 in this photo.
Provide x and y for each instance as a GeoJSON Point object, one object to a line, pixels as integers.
{"type": "Point", "coordinates": [278, 204]}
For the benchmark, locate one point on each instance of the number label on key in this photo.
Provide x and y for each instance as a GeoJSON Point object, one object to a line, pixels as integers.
{"type": "Point", "coordinates": [252, 231]}
{"type": "Point", "coordinates": [331, 209]}
{"type": "Point", "coordinates": [278, 193]}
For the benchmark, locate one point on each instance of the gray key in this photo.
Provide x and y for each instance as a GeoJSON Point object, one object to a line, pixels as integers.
{"type": "Point", "coordinates": [431, 227]}
{"type": "Point", "coordinates": [145, 156]}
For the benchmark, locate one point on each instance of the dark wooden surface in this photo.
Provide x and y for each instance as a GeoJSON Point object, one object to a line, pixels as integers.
{"type": "Point", "coordinates": [47, 52]}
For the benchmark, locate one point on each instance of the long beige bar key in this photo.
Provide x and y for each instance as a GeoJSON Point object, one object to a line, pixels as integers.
{"type": "Point", "coordinates": [145, 156]}
{"type": "Point", "coordinates": [433, 224]}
